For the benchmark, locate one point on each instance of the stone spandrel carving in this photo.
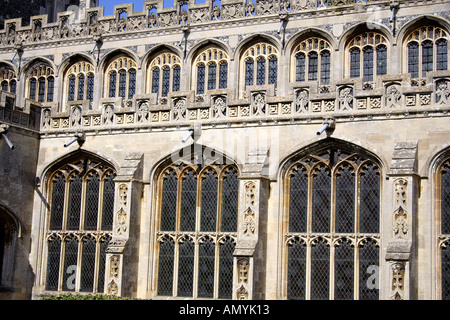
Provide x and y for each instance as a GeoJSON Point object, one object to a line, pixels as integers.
{"type": "Point", "coordinates": [442, 92]}
{"type": "Point", "coordinates": [179, 110]}
{"type": "Point", "coordinates": [302, 101]}
{"type": "Point", "coordinates": [393, 96]}
{"type": "Point", "coordinates": [346, 99]}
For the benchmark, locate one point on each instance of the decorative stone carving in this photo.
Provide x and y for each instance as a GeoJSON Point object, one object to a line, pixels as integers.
{"type": "Point", "coordinates": [346, 99]}
{"type": "Point", "coordinates": [242, 293]}
{"type": "Point", "coordinates": [250, 194]}
{"type": "Point", "coordinates": [398, 280]}
{"type": "Point", "coordinates": [249, 224]}
{"type": "Point", "coordinates": [302, 101]}
{"type": "Point", "coordinates": [259, 104]}
{"type": "Point", "coordinates": [442, 92]}
{"type": "Point", "coordinates": [219, 107]}
{"type": "Point", "coordinates": [179, 110]}
{"type": "Point", "coordinates": [393, 96]}
{"type": "Point", "coordinates": [108, 115]}
{"type": "Point", "coordinates": [121, 225]}
{"type": "Point", "coordinates": [75, 118]}
{"type": "Point", "coordinates": [113, 289]}
{"type": "Point", "coordinates": [114, 264]}
{"type": "Point", "coordinates": [123, 194]}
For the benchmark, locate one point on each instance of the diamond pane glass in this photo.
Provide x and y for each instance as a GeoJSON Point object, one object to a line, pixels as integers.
{"type": "Point", "coordinates": [122, 83]}
{"type": "Point", "coordinates": [169, 202]}
{"type": "Point", "coordinates": [413, 59]}
{"type": "Point", "coordinates": [201, 79]}
{"type": "Point", "coordinates": [223, 75]}
{"type": "Point", "coordinates": [41, 92]}
{"type": "Point", "coordinates": [344, 271]}
{"type": "Point", "coordinates": [209, 202]}
{"type": "Point", "coordinates": [166, 82]}
{"type": "Point", "coordinates": [188, 202]}
{"type": "Point", "coordinates": [355, 60]}
{"type": "Point", "coordinates": [368, 268]}
{"type": "Point", "coordinates": [321, 201]}
{"type": "Point", "coordinates": [108, 202]}
{"type": "Point", "coordinates": [320, 271]}
{"type": "Point", "coordinates": [441, 54]}
{"type": "Point", "coordinates": [445, 265]}
{"type": "Point", "coordinates": [381, 60]}
{"type": "Point", "coordinates": [297, 271]}
{"type": "Point", "coordinates": [165, 270]}
{"type": "Point", "coordinates": [57, 209]}
{"type": "Point", "coordinates": [273, 70]}
{"type": "Point", "coordinates": [261, 71]}
{"type": "Point", "coordinates": [88, 266]}
{"type": "Point", "coordinates": [445, 200]}
{"type": "Point", "coordinates": [81, 83]}
{"type": "Point", "coordinates": [74, 209]}
{"type": "Point", "coordinates": [90, 88]}
{"type": "Point", "coordinates": [91, 205]}
{"type": "Point", "coordinates": [112, 84]}
{"type": "Point", "coordinates": [50, 89]}
{"type": "Point", "coordinates": [186, 268]}
{"type": "Point", "coordinates": [345, 200]}
{"type": "Point", "coordinates": [427, 57]}
{"type": "Point", "coordinates": [230, 201]}
{"type": "Point", "coordinates": [70, 265]}
{"type": "Point", "coordinates": [300, 67]}
{"type": "Point", "coordinates": [155, 81]}
{"type": "Point", "coordinates": [312, 66]}
{"type": "Point", "coordinates": [369, 214]}
{"type": "Point", "coordinates": [102, 264]}
{"type": "Point", "coordinates": [33, 85]}
{"type": "Point", "coordinates": [53, 261]}
{"type": "Point", "coordinates": [212, 75]}
{"type": "Point", "coordinates": [298, 200]}
{"type": "Point", "coordinates": [249, 72]}
{"type": "Point", "coordinates": [206, 252]}
{"type": "Point", "coordinates": [176, 78]}
{"type": "Point", "coordinates": [368, 64]}
{"type": "Point", "coordinates": [226, 269]}
{"type": "Point", "coordinates": [325, 67]}
{"type": "Point", "coordinates": [132, 84]}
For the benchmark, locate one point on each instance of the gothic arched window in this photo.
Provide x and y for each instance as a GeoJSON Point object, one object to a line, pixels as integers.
{"type": "Point", "coordinates": [426, 50]}
{"type": "Point", "coordinates": [200, 205]}
{"type": "Point", "coordinates": [333, 225]}
{"type": "Point", "coordinates": [121, 78]}
{"type": "Point", "coordinates": [164, 74]}
{"type": "Point", "coordinates": [81, 198]}
{"type": "Point", "coordinates": [312, 61]}
{"type": "Point", "coordinates": [368, 56]}
{"type": "Point", "coordinates": [80, 81]}
{"type": "Point", "coordinates": [8, 79]}
{"type": "Point", "coordinates": [259, 65]}
{"type": "Point", "coordinates": [443, 209]}
{"type": "Point", "coordinates": [41, 84]}
{"type": "Point", "coordinates": [211, 70]}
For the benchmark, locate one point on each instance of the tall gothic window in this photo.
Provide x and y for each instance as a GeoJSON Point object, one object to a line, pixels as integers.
{"type": "Point", "coordinates": [211, 70]}
{"type": "Point", "coordinates": [121, 78]}
{"type": "Point", "coordinates": [312, 60]}
{"type": "Point", "coordinates": [80, 81]}
{"type": "Point", "coordinates": [260, 65]}
{"type": "Point", "coordinates": [443, 208]}
{"type": "Point", "coordinates": [427, 50]}
{"type": "Point", "coordinates": [368, 56]}
{"type": "Point", "coordinates": [333, 212]}
{"type": "Point", "coordinates": [199, 205]}
{"type": "Point", "coordinates": [164, 75]}
{"type": "Point", "coordinates": [81, 198]}
{"type": "Point", "coordinates": [41, 82]}
{"type": "Point", "coordinates": [8, 79]}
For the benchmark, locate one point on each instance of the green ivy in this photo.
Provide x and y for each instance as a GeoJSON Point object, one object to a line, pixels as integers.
{"type": "Point", "coordinates": [70, 296]}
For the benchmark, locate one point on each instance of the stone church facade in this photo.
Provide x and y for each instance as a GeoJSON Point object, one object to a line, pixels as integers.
{"type": "Point", "coordinates": [232, 149]}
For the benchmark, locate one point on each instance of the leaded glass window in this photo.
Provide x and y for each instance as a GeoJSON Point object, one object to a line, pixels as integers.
{"type": "Point", "coordinates": [33, 86]}
{"type": "Point", "coordinates": [165, 74]}
{"type": "Point", "coordinates": [212, 74]}
{"type": "Point", "coordinates": [355, 63]}
{"type": "Point", "coordinates": [368, 64]}
{"type": "Point", "coordinates": [90, 87]}
{"type": "Point", "coordinates": [132, 84]}
{"type": "Point", "coordinates": [8, 79]}
{"type": "Point", "coordinates": [5, 86]}
{"type": "Point", "coordinates": [166, 82]}
{"type": "Point", "coordinates": [112, 84]}
{"type": "Point", "coordinates": [40, 82]}
{"type": "Point", "coordinates": [122, 82]}
{"type": "Point", "coordinates": [260, 71]}
{"type": "Point", "coordinates": [199, 204]}
{"type": "Point", "coordinates": [333, 210]}
{"type": "Point", "coordinates": [51, 89]}
{"type": "Point", "coordinates": [265, 56]}
{"type": "Point", "coordinates": [427, 50]}
{"type": "Point", "coordinates": [273, 70]}
{"type": "Point", "coordinates": [201, 79]}
{"type": "Point", "coordinates": [155, 80]}
{"type": "Point", "coordinates": [223, 75]}
{"type": "Point", "coordinates": [42, 88]}
{"type": "Point", "coordinates": [216, 75]}
{"type": "Point", "coordinates": [80, 224]}
{"type": "Point", "coordinates": [312, 60]}
{"type": "Point", "coordinates": [249, 76]}
{"type": "Point", "coordinates": [381, 60]}
{"type": "Point", "coordinates": [443, 239]}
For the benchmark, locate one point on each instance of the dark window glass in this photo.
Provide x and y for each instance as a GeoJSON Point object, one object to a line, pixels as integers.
{"type": "Point", "coordinates": [369, 214]}
{"type": "Point", "coordinates": [101, 272]}
{"type": "Point", "coordinates": [33, 85]}
{"type": "Point", "coordinates": [298, 200]}
{"type": "Point", "coordinates": [88, 266]}
{"type": "Point", "coordinates": [355, 60]}
{"type": "Point", "coordinates": [90, 87]}
{"type": "Point", "coordinates": [273, 70]}
{"type": "Point", "coordinates": [186, 268]}
{"type": "Point", "coordinates": [53, 261]}
{"type": "Point", "coordinates": [81, 83]}
{"type": "Point", "coordinates": [296, 271]}
{"type": "Point", "coordinates": [112, 84]}
{"type": "Point", "coordinates": [74, 209]}
{"type": "Point", "coordinates": [155, 81]}
{"type": "Point", "coordinates": [70, 265]}
{"type": "Point", "coordinates": [321, 201]}
{"type": "Point", "coordinates": [188, 202]}
{"type": "Point", "coordinates": [300, 67]}
{"type": "Point", "coordinates": [91, 204]}
{"type": "Point", "coordinates": [50, 89]}
{"type": "Point", "coordinates": [108, 202]}
{"type": "Point", "coordinates": [13, 86]}
{"type": "Point", "coordinates": [445, 200]}
{"type": "Point", "coordinates": [413, 59]}
{"type": "Point", "coordinates": [249, 72]}
{"type": "Point", "coordinates": [312, 66]}
{"type": "Point", "coordinates": [57, 208]}
{"type": "Point", "coordinates": [122, 83]}
{"type": "Point", "coordinates": [5, 86]}
{"type": "Point", "coordinates": [445, 267]}
{"type": "Point", "coordinates": [345, 200]}
{"type": "Point", "coordinates": [132, 84]}
{"type": "Point", "coordinates": [325, 67]}
{"type": "Point", "coordinates": [166, 81]}
{"type": "Point", "coordinates": [261, 71]}
{"type": "Point", "coordinates": [368, 64]}
{"type": "Point", "coordinates": [176, 78]}
{"type": "Point", "coordinates": [212, 76]}
{"type": "Point", "coordinates": [344, 271]}
{"type": "Point", "coordinates": [223, 75]}
{"type": "Point", "coordinates": [320, 271]}
{"type": "Point", "coordinates": [206, 259]}
{"type": "Point", "coordinates": [169, 202]}
{"type": "Point", "coordinates": [427, 57]}
{"type": "Point", "coordinates": [201, 79]}
{"type": "Point", "coordinates": [41, 91]}
{"type": "Point", "coordinates": [226, 269]}
{"type": "Point", "coordinates": [441, 54]}
{"type": "Point", "coordinates": [230, 199]}
{"type": "Point", "coordinates": [381, 60]}
{"type": "Point", "coordinates": [165, 267]}
{"type": "Point", "coordinates": [209, 202]}
{"type": "Point", "coordinates": [368, 267]}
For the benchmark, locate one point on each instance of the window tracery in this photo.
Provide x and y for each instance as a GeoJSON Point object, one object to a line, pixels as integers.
{"type": "Point", "coordinates": [333, 211]}
{"type": "Point", "coordinates": [41, 84]}
{"type": "Point", "coordinates": [443, 207]}
{"type": "Point", "coordinates": [164, 74]}
{"type": "Point", "coordinates": [367, 56]}
{"type": "Point", "coordinates": [81, 198]}
{"type": "Point", "coordinates": [259, 65]}
{"type": "Point", "coordinates": [198, 230]}
{"type": "Point", "coordinates": [426, 50]}
{"type": "Point", "coordinates": [211, 70]}
{"type": "Point", "coordinates": [80, 81]}
{"type": "Point", "coordinates": [8, 79]}
{"type": "Point", "coordinates": [312, 60]}
{"type": "Point", "coordinates": [121, 78]}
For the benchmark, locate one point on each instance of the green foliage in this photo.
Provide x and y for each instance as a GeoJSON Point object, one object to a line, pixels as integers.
{"type": "Point", "coordinates": [70, 296]}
